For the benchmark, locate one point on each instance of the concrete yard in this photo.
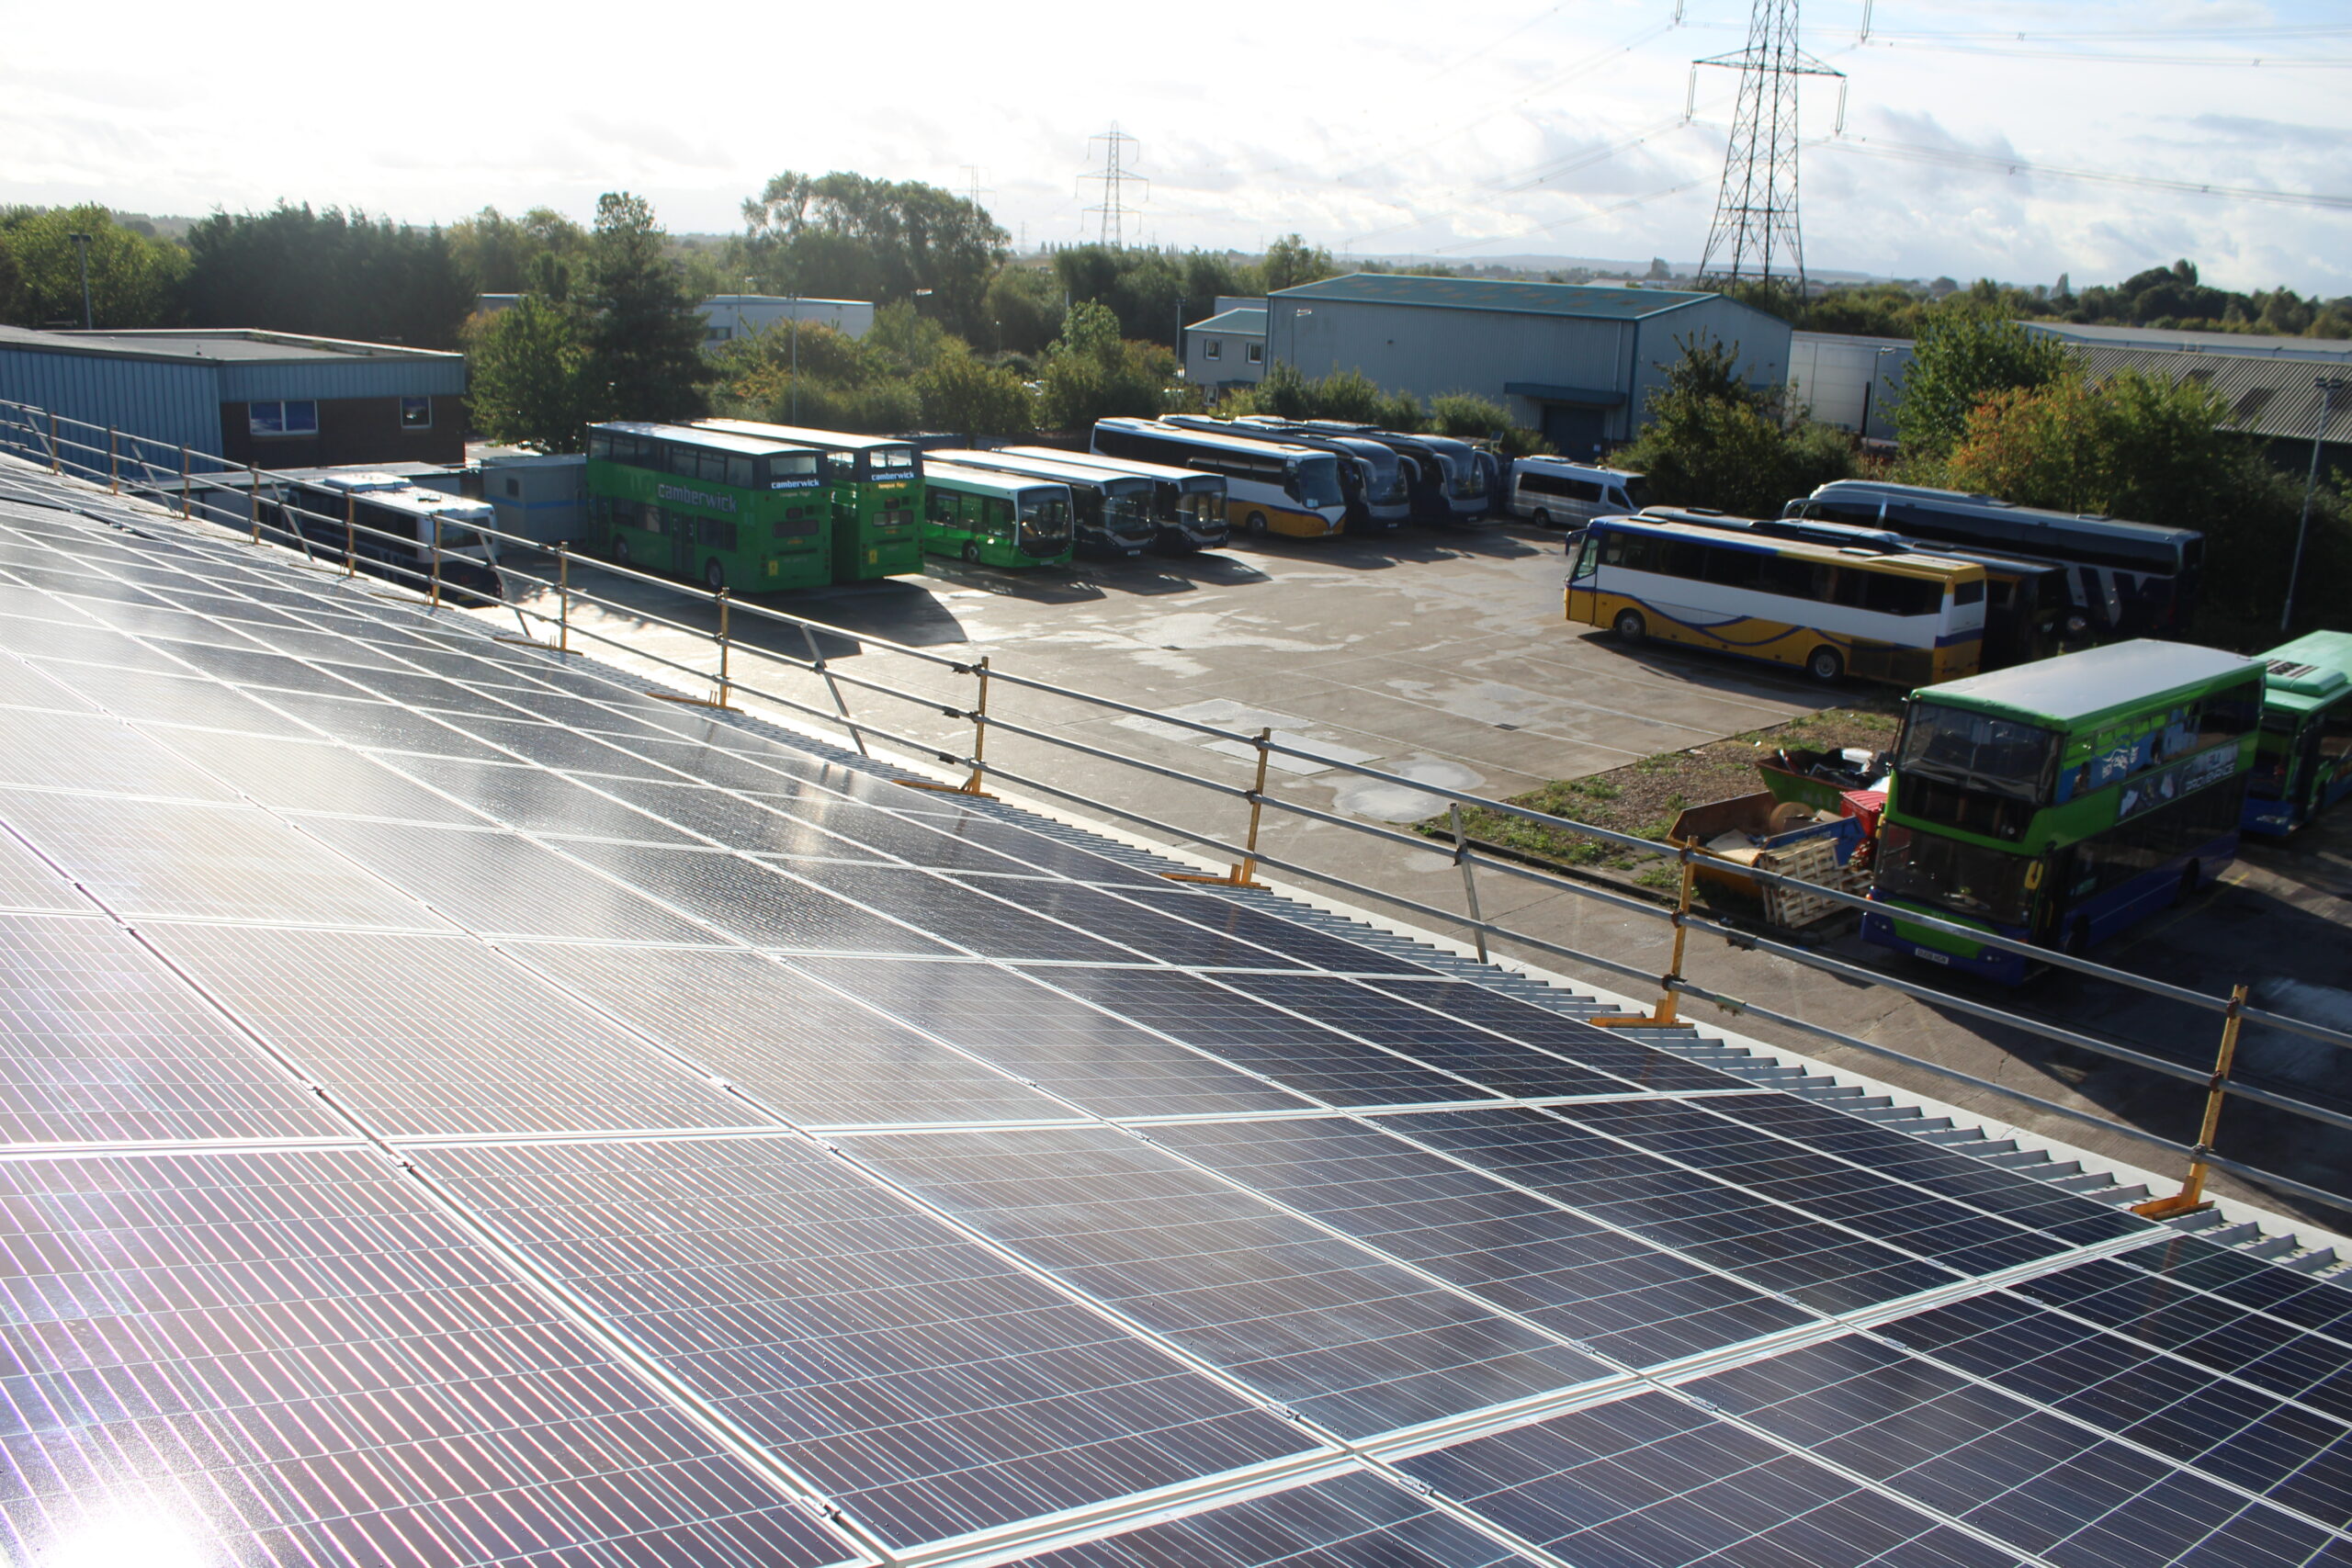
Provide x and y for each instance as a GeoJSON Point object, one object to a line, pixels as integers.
{"type": "Point", "coordinates": [1443, 659]}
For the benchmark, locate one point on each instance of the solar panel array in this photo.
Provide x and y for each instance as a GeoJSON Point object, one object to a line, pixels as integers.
{"type": "Point", "coordinates": [459, 1108]}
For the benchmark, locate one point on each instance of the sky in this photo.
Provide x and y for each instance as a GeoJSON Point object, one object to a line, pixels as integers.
{"type": "Point", "coordinates": [1474, 130]}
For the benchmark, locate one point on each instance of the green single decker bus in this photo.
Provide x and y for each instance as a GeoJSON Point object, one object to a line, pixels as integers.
{"type": "Point", "coordinates": [993, 519]}
{"type": "Point", "coordinates": [2303, 763]}
{"type": "Point", "coordinates": [2057, 802]}
{"type": "Point", "coordinates": [737, 512]}
{"type": "Point", "coordinates": [874, 484]}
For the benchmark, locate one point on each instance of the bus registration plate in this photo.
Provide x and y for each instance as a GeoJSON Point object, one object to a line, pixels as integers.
{"type": "Point", "coordinates": [1931, 955]}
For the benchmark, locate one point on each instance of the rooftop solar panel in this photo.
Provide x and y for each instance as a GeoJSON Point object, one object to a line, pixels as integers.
{"type": "Point", "coordinates": [1102, 1065]}
{"type": "Point", "coordinates": [1652, 1481]}
{"type": "Point", "coordinates": [528, 1179]}
{"type": "Point", "coordinates": [809, 1053]}
{"type": "Point", "coordinates": [435, 1037]}
{"type": "Point", "coordinates": [2029, 1478]}
{"type": "Point", "coordinates": [96, 753]}
{"type": "Point", "coordinates": [1635, 1303]}
{"type": "Point", "coordinates": [100, 1044]}
{"type": "Point", "coordinates": [925, 1384]}
{"type": "Point", "coordinates": [297, 1358]}
{"type": "Point", "coordinates": [1354, 1343]}
{"type": "Point", "coordinates": [499, 883]}
{"type": "Point", "coordinates": [1348, 1521]}
{"type": "Point", "coordinates": [154, 857]}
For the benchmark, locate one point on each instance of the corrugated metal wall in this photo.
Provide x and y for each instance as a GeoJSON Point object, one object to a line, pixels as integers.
{"type": "Point", "coordinates": [176, 404]}
{"type": "Point", "coordinates": [1430, 350]}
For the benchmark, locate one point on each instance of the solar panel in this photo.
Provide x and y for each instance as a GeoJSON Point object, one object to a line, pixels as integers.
{"type": "Point", "coordinates": [549, 1124]}
{"type": "Point", "coordinates": [297, 1357]}
{"type": "Point", "coordinates": [100, 1043]}
{"type": "Point", "coordinates": [1308, 946]}
{"type": "Point", "coordinates": [752, 904]}
{"type": "Point", "coordinates": [536, 800]}
{"type": "Point", "coordinates": [498, 884]}
{"type": "Point", "coordinates": [1098, 1063]}
{"type": "Point", "coordinates": [1349, 1521]}
{"type": "Point", "coordinates": [1766, 1243]}
{"type": "Point", "coordinates": [1638, 1065]}
{"type": "Point", "coordinates": [152, 857]}
{"type": "Point", "coordinates": [1289, 1051]}
{"type": "Point", "coordinates": [812, 1055]}
{"type": "Point", "coordinates": [994, 927]}
{"type": "Point", "coordinates": [926, 1386]}
{"type": "Point", "coordinates": [2291, 1454]}
{"type": "Point", "coordinates": [96, 753]}
{"type": "Point", "coordinates": [1356, 1344]}
{"type": "Point", "coordinates": [2031, 1479]}
{"type": "Point", "coordinates": [733, 820]}
{"type": "Point", "coordinates": [308, 775]}
{"type": "Point", "coordinates": [1654, 1482]}
{"type": "Point", "coordinates": [435, 1037]}
{"type": "Point", "coordinates": [1538, 1258]}
{"type": "Point", "coordinates": [1134, 924]}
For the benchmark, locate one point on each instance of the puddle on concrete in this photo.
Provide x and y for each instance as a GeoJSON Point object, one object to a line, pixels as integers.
{"type": "Point", "coordinates": [1395, 803]}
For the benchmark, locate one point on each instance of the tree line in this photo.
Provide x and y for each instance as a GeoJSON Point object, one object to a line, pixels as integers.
{"type": "Point", "coordinates": [1988, 407]}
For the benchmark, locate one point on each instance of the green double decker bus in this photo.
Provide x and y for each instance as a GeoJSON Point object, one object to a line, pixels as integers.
{"type": "Point", "coordinates": [738, 511]}
{"type": "Point", "coordinates": [2057, 803]}
{"type": "Point", "coordinates": [873, 486]}
{"type": "Point", "coordinates": [993, 519]}
{"type": "Point", "coordinates": [2304, 762]}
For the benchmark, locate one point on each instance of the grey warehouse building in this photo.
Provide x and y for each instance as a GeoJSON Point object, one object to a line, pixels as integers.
{"type": "Point", "coordinates": [1576, 361]}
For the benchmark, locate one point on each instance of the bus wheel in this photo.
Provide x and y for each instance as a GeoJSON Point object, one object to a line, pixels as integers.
{"type": "Point", "coordinates": [714, 576]}
{"type": "Point", "coordinates": [1542, 519]}
{"type": "Point", "coordinates": [1825, 664]}
{"type": "Point", "coordinates": [1255, 523]}
{"type": "Point", "coordinates": [1630, 626]}
{"type": "Point", "coordinates": [620, 550]}
{"type": "Point", "coordinates": [972, 551]}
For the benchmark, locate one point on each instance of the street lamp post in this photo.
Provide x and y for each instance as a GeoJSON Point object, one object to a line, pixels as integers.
{"type": "Point", "coordinates": [2328, 387]}
{"type": "Point", "coordinates": [82, 249]}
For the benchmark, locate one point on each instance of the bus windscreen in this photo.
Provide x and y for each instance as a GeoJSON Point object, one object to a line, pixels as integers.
{"type": "Point", "coordinates": [1998, 755]}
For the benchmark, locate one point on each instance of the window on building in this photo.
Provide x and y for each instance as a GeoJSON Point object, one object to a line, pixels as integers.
{"type": "Point", "coordinates": [282, 418]}
{"type": "Point", "coordinates": [1257, 353]}
{"type": "Point", "coordinates": [416, 413]}
{"type": "Point", "coordinates": [1213, 348]}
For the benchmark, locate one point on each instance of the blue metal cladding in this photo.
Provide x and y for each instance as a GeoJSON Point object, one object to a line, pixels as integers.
{"type": "Point", "coordinates": [177, 404]}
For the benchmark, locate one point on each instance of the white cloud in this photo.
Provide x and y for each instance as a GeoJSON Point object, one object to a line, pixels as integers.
{"type": "Point", "coordinates": [1385, 127]}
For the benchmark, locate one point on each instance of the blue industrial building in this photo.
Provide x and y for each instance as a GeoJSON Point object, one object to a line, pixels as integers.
{"type": "Point", "coordinates": [1575, 361]}
{"type": "Point", "coordinates": [272, 398]}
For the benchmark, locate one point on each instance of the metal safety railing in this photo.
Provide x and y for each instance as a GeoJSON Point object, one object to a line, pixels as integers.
{"type": "Point", "coordinates": [200, 487]}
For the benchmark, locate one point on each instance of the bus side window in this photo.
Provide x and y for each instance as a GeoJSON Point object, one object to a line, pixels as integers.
{"type": "Point", "coordinates": [684, 462]}
{"type": "Point", "coordinates": [999, 517]}
{"type": "Point", "coordinates": [1969, 593]}
{"type": "Point", "coordinates": [1734, 568]}
{"type": "Point", "coordinates": [1891, 595]}
{"type": "Point", "coordinates": [2335, 731]}
{"type": "Point", "coordinates": [841, 467]}
{"type": "Point", "coordinates": [739, 472]}
{"type": "Point", "coordinates": [1587, 563]}
{"type": "Point", "coordinates": [938, 504]}
{"type": "Point", "coordinates": [599, 445]}
{"type": "Point", "coordinates": [1787, 577]}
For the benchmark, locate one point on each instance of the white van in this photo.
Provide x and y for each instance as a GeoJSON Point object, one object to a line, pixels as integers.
{"type": "Point", "coordinates": [1552, 492]}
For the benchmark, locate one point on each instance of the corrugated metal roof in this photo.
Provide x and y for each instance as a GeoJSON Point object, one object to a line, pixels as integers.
{"type": "Point", "coordinates": [2267, 396]}
{"type": "Point", "coordinates": [1596, 303]}
{"type": "Point", "coordinates": [1243, 321]}
{"type": "Point", "coordinates": [2181, 341]}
